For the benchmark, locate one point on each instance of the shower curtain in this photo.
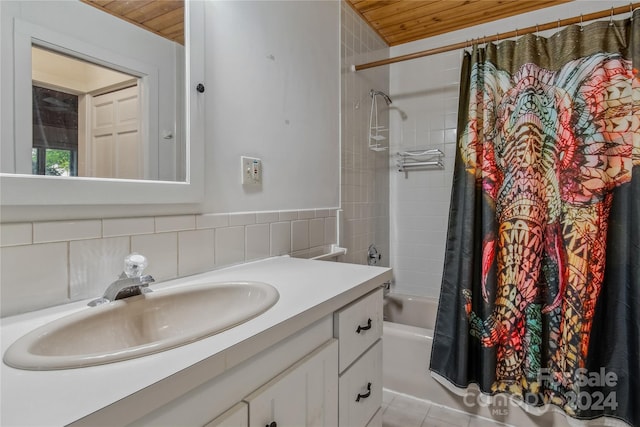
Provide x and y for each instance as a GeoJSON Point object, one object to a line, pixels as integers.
{"type": "Point", "coordinates": [540, 295]}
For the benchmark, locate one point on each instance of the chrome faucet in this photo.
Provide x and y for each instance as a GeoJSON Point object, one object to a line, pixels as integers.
{"type": "Point", "coordinates": [130, 283]}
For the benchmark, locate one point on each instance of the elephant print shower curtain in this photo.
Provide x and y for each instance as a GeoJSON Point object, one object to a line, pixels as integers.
{"type": "Point", "coordinates": [540, 295]}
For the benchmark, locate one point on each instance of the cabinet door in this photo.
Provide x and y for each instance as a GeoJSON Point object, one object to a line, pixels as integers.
{"type": "Point", "coordinates": [376, 421]}
{"type": "Point", "coordinates": [306, 394]}
{"type": "Point", "coordinates": [238, 416]}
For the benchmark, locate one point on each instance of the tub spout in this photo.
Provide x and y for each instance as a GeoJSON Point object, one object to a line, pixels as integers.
{"type": "Point", "coordinates": [386, 288]}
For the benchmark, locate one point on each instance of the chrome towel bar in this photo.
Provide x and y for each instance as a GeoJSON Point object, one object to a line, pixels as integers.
{"type": "Point", "coordinates": [420, 159]}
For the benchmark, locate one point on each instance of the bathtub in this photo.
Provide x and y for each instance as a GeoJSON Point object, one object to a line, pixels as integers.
{"type": "Point", "coordinates": [407, 338]}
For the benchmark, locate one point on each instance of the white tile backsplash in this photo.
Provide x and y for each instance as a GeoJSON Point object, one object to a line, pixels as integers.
{"type": "Point", "coordinates": [55, 231]}
{"type": "Point", "coordinates": [94, 264]}
{"type": "Point", "coordinates": [33, 276]}
{"type": "Point", "coordinates": [307, 214]}
{"type": "Point", "coordinates": [127, 226]}
{"type": "Point", "coordinates": [212, 220]}
{"type": "Point", "coordinates": [316, 232]}
{"type": "Point", "coordinates": [330, 230]}
{"type": "Point", "coordinates": [175, 223]}
{"type": "Point", "coordinates": [242, 219]}
{"type": "Point", "coordinates": [82, 263]}
{"type": "Point", "coordinates": [288, 215]}
{"type": "Point", "coordinates": [256, 241]}
{"type": "Point", "coordinates": [300, 235]}
{"type": "Point", "coordinates": [196, 251]}
{"type": "Point", "coordinates": [267, 217]}
{"type": "Point", "coordinates": [230, 245]}
{"type": "Point", "coordinates": [280, 238]}
{"type": "Point", "coordinates": [16, 234]}
{"type": "Point", "coordinates": [161, 251]}
{"type": "Point", "coordinates": [322, 213]}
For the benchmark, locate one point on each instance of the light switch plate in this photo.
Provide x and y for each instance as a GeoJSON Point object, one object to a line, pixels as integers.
{"type": "Point", "coordinates": [251, 170]}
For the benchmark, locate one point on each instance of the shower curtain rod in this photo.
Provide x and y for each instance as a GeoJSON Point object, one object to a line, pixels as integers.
{"type": "Point", "coordinates": [533, 29]}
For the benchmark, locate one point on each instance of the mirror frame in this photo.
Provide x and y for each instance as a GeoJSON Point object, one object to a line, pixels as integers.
{"type": "Point", "coordinates": [23, 190]}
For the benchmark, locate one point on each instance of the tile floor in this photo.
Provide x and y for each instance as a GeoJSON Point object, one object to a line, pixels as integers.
{"type": "Point", "coordinates": [405, 411]}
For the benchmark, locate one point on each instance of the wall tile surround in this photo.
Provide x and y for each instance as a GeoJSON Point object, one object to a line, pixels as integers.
{"type": "Point", "coordinates": [365, 173]}
{"type": "Point", "coordinates": [419, 199]}
{"type": "Point", "coordinates": [82, 257]}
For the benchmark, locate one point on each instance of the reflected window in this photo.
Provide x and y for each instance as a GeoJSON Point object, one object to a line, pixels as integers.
{"type": "Point", "coordinates": [55, 132]}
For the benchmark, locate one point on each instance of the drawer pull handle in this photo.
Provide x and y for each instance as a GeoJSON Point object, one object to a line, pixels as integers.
{"type": "Point", "coordinates": [273, 424]}
{"type": "Point", "coordinates": [364, 396]}
{"type": "Point", "coordinates": [364, 328]}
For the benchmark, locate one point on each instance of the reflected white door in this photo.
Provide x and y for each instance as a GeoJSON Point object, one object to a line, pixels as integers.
{"type": "Point", "coordinates": [116, 145]}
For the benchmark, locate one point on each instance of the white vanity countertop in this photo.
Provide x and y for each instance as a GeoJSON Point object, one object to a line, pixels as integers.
{"type": "Point", "coordinates": [309, 290]}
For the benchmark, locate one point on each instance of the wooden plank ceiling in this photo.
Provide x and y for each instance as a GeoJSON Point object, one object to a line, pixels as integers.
{"type": "Point", "coordinates": [396, 21]}
{"type": "Point", "coordinates": [403, 21]}
{"type": "Point", "coordinates": [162, 17]}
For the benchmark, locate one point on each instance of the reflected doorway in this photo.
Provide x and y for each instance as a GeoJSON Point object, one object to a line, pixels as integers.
{"type": "Point", "coordinates": [86, 119]}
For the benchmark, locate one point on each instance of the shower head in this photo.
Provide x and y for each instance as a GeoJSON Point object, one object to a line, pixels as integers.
{"type": "Point", "coordinates": [373, 93]}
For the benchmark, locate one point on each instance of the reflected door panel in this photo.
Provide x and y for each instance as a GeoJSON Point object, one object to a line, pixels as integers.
{"type": "Point", "coordinates": [115, 144]}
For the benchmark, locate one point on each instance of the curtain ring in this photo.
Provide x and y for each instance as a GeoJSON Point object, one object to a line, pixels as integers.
{"type": "Point", "coordinates": [581, 28]}
{"type": "Point", "coordinates": [631, 11]}
{"type": "Point", "coordinates": [611, 18]}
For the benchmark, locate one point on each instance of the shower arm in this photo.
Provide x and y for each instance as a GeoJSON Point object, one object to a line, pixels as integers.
{"type": "Point", "coordinates": [374, 93]}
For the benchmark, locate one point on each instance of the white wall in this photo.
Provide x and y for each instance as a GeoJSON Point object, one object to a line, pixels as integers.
{"type": "Point", "coordinates": [426, 90]}
{"type": "Point", "coordinates": [272, 91]}
{"type": "Point", "coordinates": [273, 88]}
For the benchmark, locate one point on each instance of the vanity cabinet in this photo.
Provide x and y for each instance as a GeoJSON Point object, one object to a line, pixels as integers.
{"type": "Point", "coordinates": [313, 359]}
{"type": "Point", "coordinates": [296, 382]}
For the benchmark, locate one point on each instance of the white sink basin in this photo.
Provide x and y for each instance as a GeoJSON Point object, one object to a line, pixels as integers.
{"type": "Point", "coordinates": [140, 325]}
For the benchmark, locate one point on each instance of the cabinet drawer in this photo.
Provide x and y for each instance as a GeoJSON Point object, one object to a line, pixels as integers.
{"type": "Point", "coordinates": [358, 326]}
{"type": "Point", "coordinates": [360, 389]}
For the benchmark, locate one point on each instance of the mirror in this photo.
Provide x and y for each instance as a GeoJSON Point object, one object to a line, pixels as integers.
{"type": "Point", "coordinates": [92, 101]}
{"type": "Point", "coordinates": [87, 118]}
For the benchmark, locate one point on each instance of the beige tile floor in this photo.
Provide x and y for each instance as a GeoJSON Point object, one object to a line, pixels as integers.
{"type": "Point", "coordinates": [405, 411]}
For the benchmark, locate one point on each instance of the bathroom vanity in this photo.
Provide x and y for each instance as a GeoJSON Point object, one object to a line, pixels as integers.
{"type": "Point", "coordinates": [314, 358]}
